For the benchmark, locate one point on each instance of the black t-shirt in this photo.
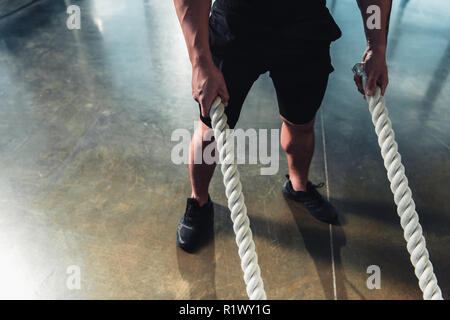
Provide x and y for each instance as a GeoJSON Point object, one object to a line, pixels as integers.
{"type": "Point", "coordinates": [270, 26]}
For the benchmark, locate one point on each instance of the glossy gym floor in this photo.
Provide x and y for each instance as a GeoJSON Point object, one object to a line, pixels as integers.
{"type": "Point", "coordinates": [87, 182]}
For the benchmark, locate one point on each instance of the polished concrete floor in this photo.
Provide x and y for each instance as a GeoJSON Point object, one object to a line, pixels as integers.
{"type": "Point", "coordinates": [86, 177]}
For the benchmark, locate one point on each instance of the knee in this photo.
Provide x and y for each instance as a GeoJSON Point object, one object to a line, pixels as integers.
{"type": "Point", "coordinates": [203, 135]}
{"type": "Point", "coordinates": [294, 134]}
{"type": "Point", "coordinates": [303, 128]}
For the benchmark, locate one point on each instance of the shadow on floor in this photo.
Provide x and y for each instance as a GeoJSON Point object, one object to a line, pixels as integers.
{"type": "Point", "coordinates": [386, 213]}
{"type": "Point", "coordinates": [316, 236]}
{"type": "Point", "coordinates": [199, 269]}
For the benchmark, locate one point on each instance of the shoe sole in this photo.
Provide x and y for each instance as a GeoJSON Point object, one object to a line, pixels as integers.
{"type": "Point", "coordinates": [183, 247]}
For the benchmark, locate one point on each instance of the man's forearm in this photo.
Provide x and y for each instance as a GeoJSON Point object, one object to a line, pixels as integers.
{"type": "Point", "coordinates": [193, 16]}
{"type": "Point", "coordinates": [376, 38]}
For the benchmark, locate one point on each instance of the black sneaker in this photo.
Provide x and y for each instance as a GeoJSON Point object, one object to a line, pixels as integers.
{"type": "Point", "coordinates": [196, 226]}
{"type": "Point", "coordinates": [312, 200]}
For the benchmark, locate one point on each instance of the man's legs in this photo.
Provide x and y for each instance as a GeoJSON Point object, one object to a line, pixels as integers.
{"type": "Point", "coordinates": [200, 173]}
{"type": "Point", "coordinates": [240, 74]}
{"type": "Point", "coordinates": [196, 221]}
{"type": "Point", "coordinates": [297, 140]}
{"type": "Point", "coordinates": [300, 90]}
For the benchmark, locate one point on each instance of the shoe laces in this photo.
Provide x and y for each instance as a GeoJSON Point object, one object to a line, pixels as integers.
{"type": "Point", "coordinates": [313, 190]}
{"type": "Point", "coordinates": [319, 185]}
{"type": "Point", "coordinates": [191, 212]}
{"type": "Point", "coordinates": [315, 186]}
{"type": "Point", "coordinates": [316, 198]}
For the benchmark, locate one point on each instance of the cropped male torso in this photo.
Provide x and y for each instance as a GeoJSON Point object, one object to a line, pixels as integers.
{"type": "Point", "coordinates": [270, 26]}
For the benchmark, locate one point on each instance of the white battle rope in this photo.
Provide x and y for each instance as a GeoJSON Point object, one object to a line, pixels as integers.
{"type": "Point", "coordinates": [406, 208]}
{"type": "Point", "coordinates": [233, 190]}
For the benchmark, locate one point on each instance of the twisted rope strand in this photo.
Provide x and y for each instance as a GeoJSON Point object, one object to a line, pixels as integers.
{"type": "Point", "coordinates": [409, 218]}
{"type": "Point", "coordinates": [233, 191]}
{"type": "Point", "coordinates": [406, 207]}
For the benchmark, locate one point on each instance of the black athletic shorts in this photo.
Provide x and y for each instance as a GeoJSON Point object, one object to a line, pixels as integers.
{"type": "Point", "coordinates": [300, 83]}
{"type": "Point", "coordinates": [299, 76]}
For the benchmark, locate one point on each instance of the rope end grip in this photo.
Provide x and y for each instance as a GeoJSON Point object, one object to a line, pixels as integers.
{"type": "Point", "coordinates": [358, 69]}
